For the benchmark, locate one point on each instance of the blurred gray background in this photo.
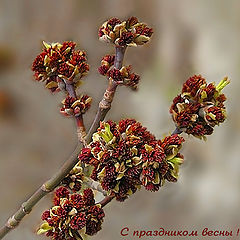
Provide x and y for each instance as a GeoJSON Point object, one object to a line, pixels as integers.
{"type": "Point", "coordinates": [190, 37]}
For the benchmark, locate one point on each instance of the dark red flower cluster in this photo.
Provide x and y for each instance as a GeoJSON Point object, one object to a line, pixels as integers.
{"type": "Point", "coordinates": [60, 61]}
{"type": "Point", "coordinates": [126, 156]}
{"type": "Point", "coordinates": [125, 33]}
{"type": "Point", "coordinates": [106, 63]}
{"type": "Point", "coordinates": [199, 107]}
{"type": "Point", "coordinates": [123, 76]}
{"type": "Point", "coordinates": [75, 106]}
{"type": "Point", "coordinates": [161, 162]}
{"type": "Point", "coordinates": [72, 215]}
{"type": "Point", "coordinates": [74, 179]}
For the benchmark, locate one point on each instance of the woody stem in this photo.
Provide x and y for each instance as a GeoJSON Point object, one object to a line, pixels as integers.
{"type": "Point", "coordinates": [81, 131]}
{"type": "Point", "coordinates": [106, 200]}
{"type": "Point", "coordinates": [47, 187]}
{"type": "Point", "coordinates": [105, 103]}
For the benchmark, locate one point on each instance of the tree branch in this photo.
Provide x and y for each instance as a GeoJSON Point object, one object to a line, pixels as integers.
{"type": "Point", "coordinates": [41, 192]}
{"type": "Point", "coordinates": [106, 200]}
{"type": "Point", "coordinates": [105, 103]}
{"type": "Point", "coordinates": [81, 132]}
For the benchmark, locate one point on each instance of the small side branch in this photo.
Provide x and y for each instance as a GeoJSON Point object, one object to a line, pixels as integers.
{"type": "Point", "coordinates": [105, 103]}
{"type": "Point", "coordinates": [81, 131]}
{"type": "Point", "coordinates": [106, 200]}
{"type": "Point", "coordinates": [70, 88]}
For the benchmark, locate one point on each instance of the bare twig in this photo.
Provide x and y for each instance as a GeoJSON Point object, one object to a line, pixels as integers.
{"type": "Point", "coordinates": [81, 132]}
{"type": "Point", "coordinates": [106, 200]}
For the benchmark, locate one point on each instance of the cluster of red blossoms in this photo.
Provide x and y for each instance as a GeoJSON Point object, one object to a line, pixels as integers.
{"type": "Point", "coordinates": [75, 106]}
{"type": "Point", "coordinates": [72, 215]}
{"type": "Point", "coordinates": [59, 62]}
{"type": "Point", "coordinates": [125, 33]}
{"type": "Point", "coordinates": [126, 156]}
{"type": "Point", "coordinates": [122, 76]}
{"type": "Point", "coordinates": [199, 107]}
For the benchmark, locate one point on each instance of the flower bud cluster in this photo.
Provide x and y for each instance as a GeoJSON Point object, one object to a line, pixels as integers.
{"type": "Point", "coordinates": [123, 76]}
{"type": "Point", "coordinates": [200, 106]}
{"type": "Point", "coordinates": [72, 215]}
{"type": "Point", "coordinates": [125, 33]}
{"type": "Point", "coordinates": [74, 179]}
{"type": "Point", "coordinates": [126, 156]}
{"type": "Point", "coordinates": [75, 106]}
{"type": "Point", "coordinates": [106, 63]}
{"type": "Point", "coordinates": [60, 61]}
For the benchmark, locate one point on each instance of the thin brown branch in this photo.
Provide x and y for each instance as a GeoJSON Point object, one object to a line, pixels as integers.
{"type": "Point", "coordinates": [41, 192]}
{"type": "Point", "coordinates": [70, 88]}
{"type": "Point", "coordinates": [105, 103]}
{"type": "Point", "coordinates": [106, 200]}
{"type": "Point", "coordinates": [81, 132]}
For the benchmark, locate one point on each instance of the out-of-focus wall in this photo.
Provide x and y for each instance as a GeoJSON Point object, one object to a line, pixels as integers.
{"type": "Point", "coordinates": [190, 37]}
